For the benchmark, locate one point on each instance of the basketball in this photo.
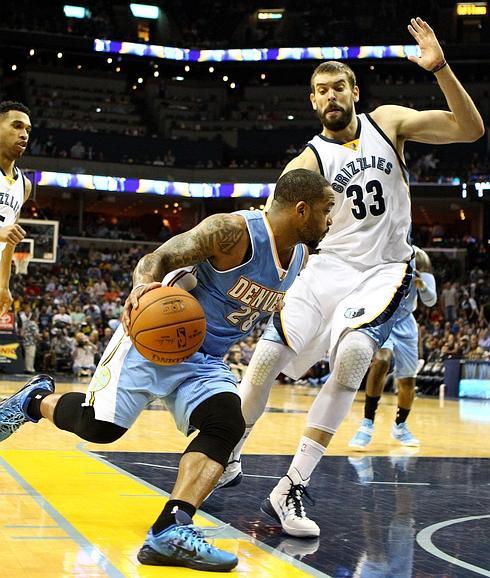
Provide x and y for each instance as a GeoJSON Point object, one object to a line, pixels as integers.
{"type": "Point", "coordinates": [168, 326]}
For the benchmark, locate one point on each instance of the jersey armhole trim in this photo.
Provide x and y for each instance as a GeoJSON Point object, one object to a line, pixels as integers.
{"type": "Point", "coordinates": [318, 159]}
{"type": "Point", "coordinates": [403, 166]}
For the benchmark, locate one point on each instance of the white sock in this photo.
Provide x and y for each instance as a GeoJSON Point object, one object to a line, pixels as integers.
{"type": "Point", "coordinates": [307, 456]}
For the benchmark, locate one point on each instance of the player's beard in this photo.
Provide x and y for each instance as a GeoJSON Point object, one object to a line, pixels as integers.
{"type": "Point", "coordinates": [340, 122]}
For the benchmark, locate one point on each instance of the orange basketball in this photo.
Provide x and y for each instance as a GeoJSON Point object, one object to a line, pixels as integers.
{"type": "Point", "coordinates": [168, 326]}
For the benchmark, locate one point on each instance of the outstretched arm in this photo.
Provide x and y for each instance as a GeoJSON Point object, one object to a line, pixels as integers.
{"type": "Point", "coordinates": [462, 123]}
{"type": "Point", "coordinates": [221, 237]}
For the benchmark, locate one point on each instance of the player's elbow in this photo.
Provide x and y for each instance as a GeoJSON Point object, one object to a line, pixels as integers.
{"type": "Point", "coordinates": [474, 131]}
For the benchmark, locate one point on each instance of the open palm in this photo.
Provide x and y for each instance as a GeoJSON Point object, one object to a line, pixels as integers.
{"type": "Point", "coordinates": [430, 50]}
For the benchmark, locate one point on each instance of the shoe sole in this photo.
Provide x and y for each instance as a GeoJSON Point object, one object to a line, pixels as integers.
{"type": "Point", "coordinates": [150, 557]}
{"type": "Point", "coordinates": [358, 448]}
{"type": "Point", "coordinates": [267, 507]}
{"type": "Point", "coordinates": [406, 444]}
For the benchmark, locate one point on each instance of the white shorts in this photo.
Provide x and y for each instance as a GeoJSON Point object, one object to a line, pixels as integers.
{"type": "Point", "coordinates": [331, 296]}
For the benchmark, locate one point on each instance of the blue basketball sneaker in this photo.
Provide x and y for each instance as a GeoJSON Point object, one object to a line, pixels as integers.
{"type": "Point", "coordinates": [363, 436]}
{"type": "Point", "coordinates": [402, 434]}
{"type": "Point", "coordinates": [13, 410]}
{"type": "Point", "coordinates": [184, 544]}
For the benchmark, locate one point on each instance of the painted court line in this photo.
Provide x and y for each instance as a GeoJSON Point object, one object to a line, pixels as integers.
{"type": "Point", "coordinates": [231, 531]}
{"type": "Point", "coordinates": [424, 540]}
{"type": "Point", "coordinates": [103, 562]}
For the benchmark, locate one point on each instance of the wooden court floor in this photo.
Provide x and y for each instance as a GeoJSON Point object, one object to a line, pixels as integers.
{"type": "Point", "coordinates": [73, 509]}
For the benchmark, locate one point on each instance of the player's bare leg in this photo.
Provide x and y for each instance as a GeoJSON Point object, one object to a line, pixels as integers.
{"type": "Point", "coordinates": [406, 396]}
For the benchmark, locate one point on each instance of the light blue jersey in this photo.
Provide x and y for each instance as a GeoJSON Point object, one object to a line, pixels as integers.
{"type": "Point", "coordinates": [234, 301]}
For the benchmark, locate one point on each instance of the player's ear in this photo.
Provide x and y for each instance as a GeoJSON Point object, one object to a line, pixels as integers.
{"type": "Point", "coordinates": [312, 100]}
{"type": "Point", "coordinates": [355, 93]}
{"type": "Point", "coordinates": [301, 208]}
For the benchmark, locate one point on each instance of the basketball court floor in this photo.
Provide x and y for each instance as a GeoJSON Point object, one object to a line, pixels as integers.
{"type": "Point", "coordinates": [73, 509]}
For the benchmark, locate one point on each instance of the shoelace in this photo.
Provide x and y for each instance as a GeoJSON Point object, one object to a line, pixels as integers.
{"type": "Point", "coordinates": [294, 500]}
{"type": "Point", "coordinates": [198, 534]}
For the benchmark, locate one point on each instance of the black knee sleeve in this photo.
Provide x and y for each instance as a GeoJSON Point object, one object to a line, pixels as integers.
{"type": "Point", "coordinates": [71, 415]}
{"type": "Point", "coordinates": [221, 425]}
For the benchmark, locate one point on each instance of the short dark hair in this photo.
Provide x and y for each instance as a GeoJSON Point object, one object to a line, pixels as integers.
{"type": "Point", "coordinates": [8, 105]}
{"type": "Point", "coordinates": [300, 185]}
{"type": "Point", "coordinates": [333, 67]}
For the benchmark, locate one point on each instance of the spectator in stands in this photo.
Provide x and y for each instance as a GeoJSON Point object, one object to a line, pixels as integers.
{"type": "Point", "coordinates": [30, 336]}
{"type": "Point", "coordinates": [449, 300]}
{"type": "Point", "coordinates": [62, 318]}
{"type": "Point", "coordinates": [474, 350]}
{"type": "Point", "coordinates": [233, 359]}
{"type": "Point", "coordinates": [78, 316]}
{"type": "Point", "coordinates": [484, 339]}
{"type": "Point", "coordinates": [84, 356]}
{"type": "Point", "coordinates": [247, 348]}
{"type": "Point", "coordinates": [469, 307]}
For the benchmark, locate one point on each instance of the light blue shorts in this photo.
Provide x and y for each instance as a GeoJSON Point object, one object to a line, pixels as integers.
{"type": "Point", "coordinates": [403, 343]}
{"type": "Point", "coordinates": [125, 383]}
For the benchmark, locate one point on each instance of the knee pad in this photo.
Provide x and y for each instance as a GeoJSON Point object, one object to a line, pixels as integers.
{"type": "Point", "coordinates": [354, 355]}
{"type": "Point", "coordinates": [72, 415]}
{"type": "Point", "coordinates": [268, 360]}
{"type": "Point", "coordinates": [221, 426]}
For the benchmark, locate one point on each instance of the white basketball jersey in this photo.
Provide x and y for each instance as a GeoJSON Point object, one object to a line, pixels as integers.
{"type": "Point", "coordinates": [372, 213]}
{"type": "Point", "coordinates": [11, 199]}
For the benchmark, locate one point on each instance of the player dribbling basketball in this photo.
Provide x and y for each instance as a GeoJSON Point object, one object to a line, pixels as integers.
{"type": "Point", "coordinates": [243, 262]}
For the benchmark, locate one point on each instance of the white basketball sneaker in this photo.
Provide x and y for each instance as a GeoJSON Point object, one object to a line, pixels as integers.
{"type": "Point", "coordinates": [285, 504]}
{"type": "Point", "coordinates": [232, 475]}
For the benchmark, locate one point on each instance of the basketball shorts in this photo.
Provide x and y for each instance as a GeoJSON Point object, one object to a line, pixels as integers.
{"type": "Point", "coordinates": [332, 296]}
{"type": "Point", "coordinates": [403, 342]}
{"type": "Point", "coordinates": [125, 383]}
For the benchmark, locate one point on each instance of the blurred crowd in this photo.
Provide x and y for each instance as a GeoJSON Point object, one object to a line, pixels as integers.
{"type": "Point", "coordinates": [67, 313]}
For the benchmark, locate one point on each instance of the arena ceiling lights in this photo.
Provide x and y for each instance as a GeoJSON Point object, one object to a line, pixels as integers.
{"type": "Point", "coordinates": [76, 11]}
{"type": "Point", "coordinates": [266, 14]}
{"type": "Point", "coordinates": [145, 11]}
{"type": "Point", "coordinates": [256, 54]}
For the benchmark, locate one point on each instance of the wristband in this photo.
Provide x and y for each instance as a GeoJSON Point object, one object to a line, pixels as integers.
{"type": "Point", "coordinates": [439, 66]}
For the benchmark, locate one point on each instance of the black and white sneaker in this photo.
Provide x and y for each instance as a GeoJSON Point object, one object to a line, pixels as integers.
{"type": "Point", "coordinates": [285, 504]}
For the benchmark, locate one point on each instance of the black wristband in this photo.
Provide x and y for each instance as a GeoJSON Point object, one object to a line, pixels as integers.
{"type": "Point", "coordinates": [439, 66]}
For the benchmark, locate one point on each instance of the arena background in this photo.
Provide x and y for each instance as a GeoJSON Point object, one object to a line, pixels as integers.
{"type": "Point", "coordinates": [132, 144]}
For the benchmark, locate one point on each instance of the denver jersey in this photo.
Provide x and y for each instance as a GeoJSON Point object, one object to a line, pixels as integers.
{"type": "Point", "coordinates": [371, 217]}
{"type": "Point", "coordinates": [11, 199]}
{"type": "Point", "coordinates": [234, 301]}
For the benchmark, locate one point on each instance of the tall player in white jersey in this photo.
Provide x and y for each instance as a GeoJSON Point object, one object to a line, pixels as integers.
{"type": "Point", "coordinates": [348, 298]}
{"type": "Point", "coordinates": [15, 127]}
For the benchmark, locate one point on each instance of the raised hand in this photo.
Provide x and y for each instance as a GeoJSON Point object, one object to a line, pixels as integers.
{"type": "Point", "coordinates": [431, 54]}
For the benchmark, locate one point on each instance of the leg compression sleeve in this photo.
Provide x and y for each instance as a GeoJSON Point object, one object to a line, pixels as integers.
{"type": "Point", "coordinates": [268, 360]}
{"type": "Point", "coordinates": [332, 404]}
{"type": "Point", "coordinates": [71, 415]}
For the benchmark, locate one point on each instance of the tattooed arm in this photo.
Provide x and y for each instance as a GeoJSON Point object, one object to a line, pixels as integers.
{"type": "Point", "coordinates": [222, 238]}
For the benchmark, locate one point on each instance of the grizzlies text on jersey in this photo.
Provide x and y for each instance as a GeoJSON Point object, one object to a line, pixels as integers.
{"type": "Point", "coordinates": [371, 216]}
